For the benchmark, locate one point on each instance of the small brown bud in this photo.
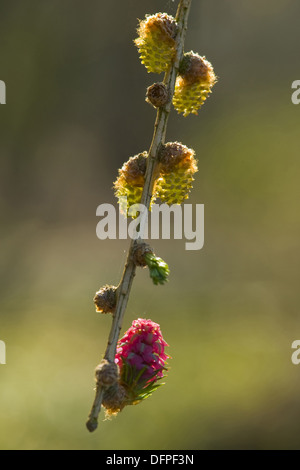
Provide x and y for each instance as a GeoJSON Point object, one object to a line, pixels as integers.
{"type": "Point", "coordinates": [157, 95]}
{"type": "Point", "coordinates": [105, 299]}
{"type": "Point", "coordinates": [106, 373]}
{"type": "Point", "coordinates": [139, 253]}
{"type": "Point", "coordinates": [114, 400]}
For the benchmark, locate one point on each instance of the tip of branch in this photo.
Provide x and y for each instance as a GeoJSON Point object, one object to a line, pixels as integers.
{"type": "Point", "coordinates": [92, 424]}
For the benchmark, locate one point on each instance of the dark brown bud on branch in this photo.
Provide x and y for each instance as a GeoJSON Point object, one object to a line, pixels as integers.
{"type": "Point", "coordinates": [157, 95]}
{"type": "Point", "coordinates": [139, 254]}
{"type": "Point", "coordinates": [106, 373]}
{"type": "Point", "coordinates": [105, 299]}
{"type": "Point", "coordinates": [114, 400]}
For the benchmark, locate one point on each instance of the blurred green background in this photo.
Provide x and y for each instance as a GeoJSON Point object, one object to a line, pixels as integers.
{"type": "Point", "coordinates": [75, 112]}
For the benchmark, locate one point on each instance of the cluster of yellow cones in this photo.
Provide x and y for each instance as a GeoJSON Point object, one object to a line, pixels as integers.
{"type": "Point", "coordinates": [156, 44]}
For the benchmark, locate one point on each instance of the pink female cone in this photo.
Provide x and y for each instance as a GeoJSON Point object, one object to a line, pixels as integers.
{"type": "Point", "coordinates": [141, 358]}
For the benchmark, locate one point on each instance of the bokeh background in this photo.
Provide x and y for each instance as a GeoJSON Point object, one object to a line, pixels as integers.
{"type": "Point", "coordinates": [75, 112]}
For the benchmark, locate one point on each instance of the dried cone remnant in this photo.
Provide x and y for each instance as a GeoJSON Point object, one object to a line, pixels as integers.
{"type": "Point", "coordinates": [114, 400]}
{"type": "Point", "coordinates": [156, 41]}
{"type": "Point", "coordinates": [157, 95]}
{"type": "Point", "coordinates": [130, 182]}
{"type": "Point", "coordinates": [105, 299]}
{"type": "Point", "coordinates": [193, 84]}
{"type": "Point", "coordinates": [178, 166]}
{"type": "Point", "coordinates": [107, 373]}
{"type": "Point", "coordinates": [141, 359]}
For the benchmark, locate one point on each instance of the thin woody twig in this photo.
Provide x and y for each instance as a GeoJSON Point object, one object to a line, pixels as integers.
{"type": "Point", "coordinates": [159, 135]}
